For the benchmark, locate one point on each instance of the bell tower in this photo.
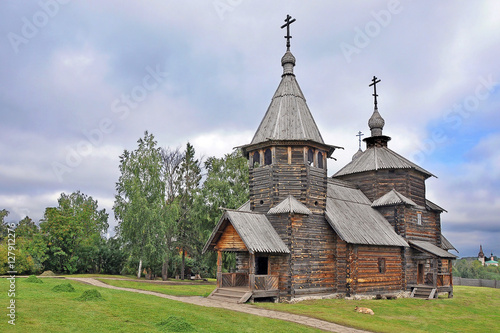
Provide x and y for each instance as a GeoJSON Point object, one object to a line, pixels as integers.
{"type": "Point", "coordinates": [287, 155]}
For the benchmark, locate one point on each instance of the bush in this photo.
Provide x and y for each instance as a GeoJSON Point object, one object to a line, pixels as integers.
{"type": "Point", "coordinates": [33, 279]}
{"type": "Point", "coordinates": [64, 287]}
{"type": "Point", "coordinates": [90, 295]}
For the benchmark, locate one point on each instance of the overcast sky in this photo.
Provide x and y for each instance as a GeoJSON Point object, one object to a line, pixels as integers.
{"type": "Point", "coordinates": [82, 80]}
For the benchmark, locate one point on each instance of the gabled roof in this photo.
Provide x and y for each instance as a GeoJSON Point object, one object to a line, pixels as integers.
{"type": "Point", "coordinates": [254, 229]}
{"type": "Point", "coordinates": [393, 198]}
{"type": "Point", "coordinates": [446, 244]}
{"type": "Point", "coordinates": [432, 206]}
{"type": "Point", "coordinates": [350, 214]}
{"type": "Point", "coordinates": [431, 249]}
{"type": "Point", "coordinates": [379, 158]}
{"type": "Point", "coordinates": [245, 207]}
{"type": "Point", "coordinates": [290, 206]}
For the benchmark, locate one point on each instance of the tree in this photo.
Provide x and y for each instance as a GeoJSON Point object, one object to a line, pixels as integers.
{"type": "Point", "coordinates": [75, 223]}
{"type": "Point", "coordinates": [172, 159]}
{"type": "Point", "coordinates": [139, 202]}
{"type": "Point", "coordinates": [226, 185]}
{"type": "Point", "coordinates": [188, 182]}
{"type": "Point", "coordinates": [3, 224]}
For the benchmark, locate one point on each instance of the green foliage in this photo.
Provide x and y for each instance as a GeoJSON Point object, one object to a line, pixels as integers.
{"type": "Point", "coordinates": [33, 279]}
{"type": "Point", "coordinates": [188, 182]}
{"type": "Point", "coordinates": [139, 202]}
{"type": "Point", "coordinates": [226, 185]}
{"type": "Point", "coordinates": [67, 229]}
{"type": "Point", "coordinates": [64, 287]}
{"type": "Point", "coordinates": [472, 269]}
{"type": "Point", "coordinates": [175, 324]}
{"type": "Point", "coordinates": [3, 225]}
{"type": "Point", "coordinates": [90, 295]}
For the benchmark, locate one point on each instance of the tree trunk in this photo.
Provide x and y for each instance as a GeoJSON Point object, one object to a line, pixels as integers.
{"type": "Point", "coordinates": [139, 270]}
{"type": "Point", "coordinates": [164, 269]}
{"type": "Point", "coordinates": [182, 264]}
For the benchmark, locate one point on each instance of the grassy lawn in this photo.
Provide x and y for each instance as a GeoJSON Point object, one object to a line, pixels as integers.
{"type": "Point", "coordinates": [471, 310]}
{"type": "Point", "coordinates": [176, 290]}
{"type": "Point", "coordinates": [39, 309]}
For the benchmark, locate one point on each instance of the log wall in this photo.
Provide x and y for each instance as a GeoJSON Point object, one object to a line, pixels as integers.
{"type": "Point", "coordinates": [230, 240]}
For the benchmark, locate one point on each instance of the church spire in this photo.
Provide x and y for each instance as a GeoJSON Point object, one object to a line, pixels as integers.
{"type": "Point", "coordinates": [288, 60]}
{"type": "Point", "coordinates": [376, 122]}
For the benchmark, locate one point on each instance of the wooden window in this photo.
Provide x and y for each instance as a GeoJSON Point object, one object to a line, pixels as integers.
{"type": "Point", "coordinates": [256, 159]}
{"type": "Point", "coordinates": [419, 218]}
{"type": "Point", "coordinates": [381, 265]}
{"type": "Point", "coordinates": [310, 157]}
{"type": "Point", "coordinates": [320, 160]}
{"type": "Point", "coordinates": [268, 157]}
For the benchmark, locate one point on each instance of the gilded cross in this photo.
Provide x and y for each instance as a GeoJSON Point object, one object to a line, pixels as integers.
{"type": "Point", "coordinates": [359, 135]}
{"type": "Point", "coordinates": [287, 25]}
{"type": "Point", "coordinates": [374, 84]}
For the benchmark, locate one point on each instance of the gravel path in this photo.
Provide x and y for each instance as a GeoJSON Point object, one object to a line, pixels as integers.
{"type": "Point", "coordinates": [201, 301]}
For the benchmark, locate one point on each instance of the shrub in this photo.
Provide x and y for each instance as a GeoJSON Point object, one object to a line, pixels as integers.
{"type": "Point", "coordinates": [64, 287]}
{"type": "Point", "coordinates": [33, 279]}
{"type": "Point", "coordinates": [90, 295]}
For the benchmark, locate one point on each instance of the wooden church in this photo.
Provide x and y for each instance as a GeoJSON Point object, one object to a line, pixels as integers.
{"type": "Point", "coordinates": [369, 229]}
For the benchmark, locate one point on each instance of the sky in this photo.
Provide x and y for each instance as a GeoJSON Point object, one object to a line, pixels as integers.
{"type": "Point", "coordinates": [80, 82]}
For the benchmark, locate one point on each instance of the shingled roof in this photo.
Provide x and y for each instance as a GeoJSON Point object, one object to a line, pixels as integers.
{"type": "Point", "coordinates": [350, 214]}
{"type": "Point", "coordinates": [290, 206]}
{"type": "Point", "coordinates": [431, 249]}
{"type": "Point", "coordinates": [254, 229]}
{"type": "Point", "coordinates": [288, 116]}
{"type": "Point", "coordinates": [391, 198]}
{"type": "Point", "coordinates": [379, 158]}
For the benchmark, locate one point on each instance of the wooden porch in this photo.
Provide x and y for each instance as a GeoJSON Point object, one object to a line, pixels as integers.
{"type": "Point", "coordinates": [241, 287]}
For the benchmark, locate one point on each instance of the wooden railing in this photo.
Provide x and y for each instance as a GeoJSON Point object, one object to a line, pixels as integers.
{"type": "Point", "coordinates": [234, 280]}
{"type": "Point", "coordinates": [260, 282]}
{"type": "Point", "coordinates": [266, 282]}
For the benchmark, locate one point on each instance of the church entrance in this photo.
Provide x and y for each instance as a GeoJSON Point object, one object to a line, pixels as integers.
{"type": "Point", "coordinates": [420, 274]}
{"type": "Point", "coordinates": [261, 265]}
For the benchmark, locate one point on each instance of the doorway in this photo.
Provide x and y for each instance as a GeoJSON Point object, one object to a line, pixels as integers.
{"type": "Point", "coordinates": [420, 274]}
{"type": "Point", "coordinates": [261, 265]}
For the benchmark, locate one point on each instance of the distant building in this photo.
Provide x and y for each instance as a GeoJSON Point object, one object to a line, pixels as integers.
{"type": "Point", "coordinates": [481, 257]}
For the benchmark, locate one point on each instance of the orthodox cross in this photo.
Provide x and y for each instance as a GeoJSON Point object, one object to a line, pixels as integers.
{"type": "Point", "coordinates": [359, 135]}
{"type": "Point", "coordinates": [374, 84]}
{"type": "Point", "coordinates": [287, 25]}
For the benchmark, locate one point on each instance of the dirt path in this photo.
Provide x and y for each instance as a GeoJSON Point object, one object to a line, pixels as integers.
{"type": "Point", "coordinates": [201, 301]}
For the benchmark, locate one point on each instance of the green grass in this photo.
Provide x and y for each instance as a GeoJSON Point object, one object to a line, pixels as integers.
{"type": "Point", "coordinates": [175, 290]}
{"type": "Point", "coordinates": [471, 310]}
{"type": "Point", "coordinates": [39, 309]}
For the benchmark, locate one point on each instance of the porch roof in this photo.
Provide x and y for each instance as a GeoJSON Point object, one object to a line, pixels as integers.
{"type": "Point", "coordinates": [431, 249]}
{"type": "Point", "coordinates": [254, 229]}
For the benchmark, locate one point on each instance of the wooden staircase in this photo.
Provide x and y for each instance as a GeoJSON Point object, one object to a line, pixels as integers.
{"type": "Point", "coordinates": [231, 295]}
{"type": "Point", "coordinates": [424, 292]}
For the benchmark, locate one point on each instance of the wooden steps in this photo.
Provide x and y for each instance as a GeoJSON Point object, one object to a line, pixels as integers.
{"type": "Point", "coordinates": [424, 292]}
{"type": "Point", "coordinates": [231, 295]}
